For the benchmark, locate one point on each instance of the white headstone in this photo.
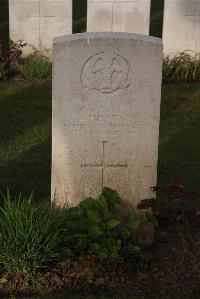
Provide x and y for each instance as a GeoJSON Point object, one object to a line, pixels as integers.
{"type": "Point", "coordinates": [119, 15]}
{"type": "Point", "coordinates": [181, 30]}
{"type": "Point", "coordinates": [106, 108]}
{"type": "Point", "coordinates": [37, 22]}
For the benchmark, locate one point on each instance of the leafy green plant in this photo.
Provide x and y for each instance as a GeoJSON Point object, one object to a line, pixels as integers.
{"type": "Point", "coordinates": [92, 226]}
{"type": "Point", "coordinates": [184, 67]}
{"type": "Point", "coordinates": [36, 67]}
{"type": "Point", "coordinates": [33, 235]}
{"type": "Point", "coordinates": [95, 227]}
{"type": "Point", "coordinates": [30, 235]}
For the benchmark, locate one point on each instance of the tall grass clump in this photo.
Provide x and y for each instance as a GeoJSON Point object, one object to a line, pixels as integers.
{"type": "Point", "coordinates": [36, 67]}
{"type": "Point", "coordinates": [184, 67]}
{"type": "Point", "coordinates": [30, 235]}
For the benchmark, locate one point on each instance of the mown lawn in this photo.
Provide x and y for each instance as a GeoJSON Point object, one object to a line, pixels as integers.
{"type": "Point", "coordinates": [180, 135]}
{"type": "Point", "coordinates": [25, 136]}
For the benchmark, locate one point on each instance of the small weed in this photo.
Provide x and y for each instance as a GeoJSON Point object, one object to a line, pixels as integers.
{"type": "Point", "coordinates": [184, 67]}
{"type": "Point", "coordinates": [29, 235]}
{"type": "Point", "coordinates": [36, 67]}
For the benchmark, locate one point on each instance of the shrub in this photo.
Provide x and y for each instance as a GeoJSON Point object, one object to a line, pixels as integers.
{"type": "Point", "coordinates": [96, 228]}
{"type": "Point", "coordinates": [36, 67]}
{"type": "Point", "coordinates": [183, 67]}
{"type": "Point", "coordinates": [174, 204]}
{"type": "Point", "coordinates": [10, 58]}
{"type": "Point", "coordinates": [29, 235]}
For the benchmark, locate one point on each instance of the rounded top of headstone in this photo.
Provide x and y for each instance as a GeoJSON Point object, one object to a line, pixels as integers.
{"type": "Point", "coordinates": [107, 35]}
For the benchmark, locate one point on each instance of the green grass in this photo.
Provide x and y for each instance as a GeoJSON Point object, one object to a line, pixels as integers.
{"type": "Point", "coordinates": [31, 235]}
{"type": "Point", "coordinates": [180, 134]}
{"type": "Point", "coordinates": [25, 136]}
{"type": "Point", "coordinates": [36, 68]}
{"type": "Point", "coordinates": [183, 67]}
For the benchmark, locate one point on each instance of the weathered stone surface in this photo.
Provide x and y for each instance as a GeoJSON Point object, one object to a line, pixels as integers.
{"type": "Point", "coordinates": [37, 22]}
{"type": "Point", "coordinates": [106, 109]}
{"type": "Point", "coordinates": [181, 30]}
{"type": "Point", "coordinates": [119, 15]}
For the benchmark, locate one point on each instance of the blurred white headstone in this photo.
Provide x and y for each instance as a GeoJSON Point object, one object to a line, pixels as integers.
{"type": "Point", "coordinates": [119, 15]}
{"type": "Point", "coordinates": [181, 30]}
{"type": "Point", "coordinates": [37, 22]}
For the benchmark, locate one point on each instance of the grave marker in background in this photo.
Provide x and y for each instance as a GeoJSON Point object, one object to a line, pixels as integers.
{"type": "Point", "coordinates": [37, 22]}
{"type": "Point", "coordinates": [181, 30]}
{"type": "Point", "coordinates": [106, 110]}
{"type": "Point", "coordinates": [119, 15]}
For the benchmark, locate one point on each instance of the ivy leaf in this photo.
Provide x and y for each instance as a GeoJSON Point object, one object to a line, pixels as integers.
{"type": "Point", "coordinates": [101, 203]}
{"type": "Point", "coordinates": [88, 203]}
{"type": "Point", "coordinates": [133, 222]}
{"type": "Point", "coordinates": [113, 199]}
{"type": "Point", "coordinates": [125, 233]}
{"type": "Point", "coordinates": [92, 217]}
{"type": "Point", "coordinates": [113, 223]}
{"type": "Point", "coordinates": [133, 249]}
{"type": "Point", "coordinates": [95, 231]}
{"type": "Point", "coordinates": [3, 280]}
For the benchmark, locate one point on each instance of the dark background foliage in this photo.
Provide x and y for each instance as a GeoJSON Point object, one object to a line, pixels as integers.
{"type": "Point", "coordinates": [4, 24]}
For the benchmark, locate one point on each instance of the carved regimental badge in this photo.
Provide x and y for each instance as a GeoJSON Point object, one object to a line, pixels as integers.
{"type": "Point", "coordinates": [105, 72]}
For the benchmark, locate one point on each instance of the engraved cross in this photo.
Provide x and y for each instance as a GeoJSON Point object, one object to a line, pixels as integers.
{"type": "Point", "coordinates": [114, 2]}
{"type": "Point", "coordinates": [40, 16]}
{"type": "Point", "coordinates": [103, 165]}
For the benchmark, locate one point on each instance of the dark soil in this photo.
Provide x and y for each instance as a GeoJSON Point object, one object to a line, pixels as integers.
{"type": "Point", "coordinates": [173, 271]}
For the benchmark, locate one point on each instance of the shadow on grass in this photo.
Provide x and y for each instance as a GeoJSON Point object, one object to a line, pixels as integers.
{"type": "Point", "coordinates": [25, 138]}
{"type": "Point", "coordinates": [179, 145]}
{"type": "Point", "coordinates": [23, 105]}
{"type": "Point", "coordinates": [29, 172]}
